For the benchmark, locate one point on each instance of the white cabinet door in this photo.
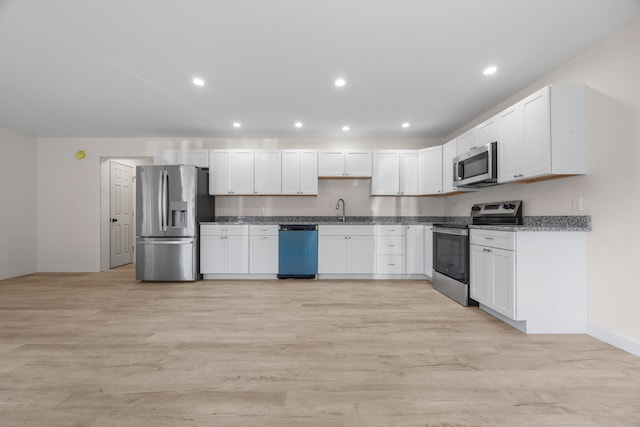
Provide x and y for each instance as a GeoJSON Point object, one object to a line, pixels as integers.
{"type": "Point", "coordinates": [300, 172]}
{"type": "Point", "coordinates": [509, 143]}
{"type": "Point", "coordinates": [488, 131]}
{"type": "Point", "coordinates": [536, 135]}
{"type": "Point", "coordinates": [267, 172]}
{"type": "Point", "coordinates": [358, 163]}
{"type": "Point", "coordinates": [199, 158]}
{"type": "Point", "coordinates": [290, 172]}
{"type": "Point", "coordinates": [167, 157]}
{"type": "Point", "coordinates": [231, 172]}
{"type": "Point", "coordinates": [409, 173]}
{"type": "Point", "coordinates": [492, 279]}
{"type": "Point", "coordinates": [331, 163]}
{"type": "Point", "coordinates": [428, 251]}
{"type": "Point", "coordinates": [333, 253]}
{"type": "Point", "coordinates": [219, 172]}
{"type": "Point", "coordinates": [263, 258]}
{"type": "Point", "coordinates": [308, 172]}
{"type": "Point", "coordinates": [504, 286]}
{"type": "Point", "coordinates": [385, 180]}
{"type": "Point", "coordinates": [430, 170]}
{"type": "Point", "coordinates": [362, 255]}
{"type": "Point", "coordinates": [480, 274]}
{"type": "Point", "coordinates": [241, 172]}
{"type": "Point", "coordinates": [350, 163]}
{"type": "Point", "coordinates": [449, 151]}
{"type": "Point", "coordinates": [236, 254]}
{"type": "Point", "coordinates": [467, 141]}
{"type": "Point", "coordinates": [212, 254]}
{"type": "Point", "coordinates": [414, 251]}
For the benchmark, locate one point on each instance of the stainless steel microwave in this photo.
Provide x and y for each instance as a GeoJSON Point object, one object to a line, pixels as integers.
{"type": "Point", "coordinates": [477, 167]}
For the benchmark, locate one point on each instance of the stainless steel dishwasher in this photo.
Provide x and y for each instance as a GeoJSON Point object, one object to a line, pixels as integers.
{"type": "Point", "coordinates": [298, 251]}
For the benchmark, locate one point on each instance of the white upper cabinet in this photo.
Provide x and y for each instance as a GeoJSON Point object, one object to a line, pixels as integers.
{"type": "Point", "coordinates": [395, 173]}
{"type": "Point", "coordinates": [342, 164]}
{"type": "Point", "coordinates": [544, 135]}
{"type": "Point", "coordinates": [487, 131]}
{"type": "Point", "coordinates": [386, 173]}
{"type": "Point", "coordinates": [449, 151]}
{"type": "Point", "coordinates": [409, 172]}
{"type": "Point", "coordinates": [430, 170]}
{"type": "Point", "coordinates": [267, 172]}
{"type": "Point", "coordinates": [231, 172]}
{"type": "Point", "coordinates": [300, 172]}
{"type": "Point", "coordinates": [199, 158]}
{"type": "Point", "coordinates": [467, 141]}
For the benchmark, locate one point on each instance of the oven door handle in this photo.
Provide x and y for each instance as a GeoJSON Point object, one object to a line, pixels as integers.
{"type": "Point", "coordinates": [451, 231]}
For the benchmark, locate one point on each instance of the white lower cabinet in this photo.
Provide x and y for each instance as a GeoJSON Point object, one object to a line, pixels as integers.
{"type": "Point", "coordinates": [346, 249]}
{"type": "Point", "coordinates": [390, 249]}
{"type": "Point", "coordinates": [414, 250]}
{"type": "Point", "coordinates": [536, 281]}
{"type": "Point", "coordinates": [263, 249]}
{"type": "Point", "coordinates": [224, 249]}
{"type": "Point", "coordinates": [428, 251]}
{"type": "Point", "coordinates": [493, 279]}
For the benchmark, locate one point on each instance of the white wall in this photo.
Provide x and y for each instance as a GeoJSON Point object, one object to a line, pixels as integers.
{"type": "Point", "coordinates": [609, 190]}
{"type": "Point", "coordinates": [17, 204]}
{"type": "Point", "coordinates": [69, 191]}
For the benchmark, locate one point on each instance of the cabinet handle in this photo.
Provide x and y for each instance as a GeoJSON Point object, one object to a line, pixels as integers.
{"type": "Point", "coordinates": [488, 238]}
{"type": "Point", "coordinates": [391, 265]}
{"type": "Point", "coordinates": [391, 246]}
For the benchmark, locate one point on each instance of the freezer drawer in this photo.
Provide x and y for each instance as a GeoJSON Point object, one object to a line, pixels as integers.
{"type": "Point", "coordinates": [159, 259]}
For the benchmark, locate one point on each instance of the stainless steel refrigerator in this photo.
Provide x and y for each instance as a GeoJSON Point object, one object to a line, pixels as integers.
{"type": "Point", "coordinates": [171, 201]}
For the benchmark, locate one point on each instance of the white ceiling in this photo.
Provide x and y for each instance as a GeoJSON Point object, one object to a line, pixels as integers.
{"type": "Point", "coordinates": [109, 68]}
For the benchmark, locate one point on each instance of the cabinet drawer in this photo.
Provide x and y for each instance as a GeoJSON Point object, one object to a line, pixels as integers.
{"type": "Point", "coordinates": [263, 230]}
{"type": "Point", "coordinates": [390, 264]}
{"type": "Point", "coordinates": [390, 230]}
{"type": "Point", "coordinates": [346, 230]}
{"type": "Point", "coordinates": [390, 245]}
{"type": "Point", "coordinates": [224, 230]}
{"type": "Point", "coordinates": [493, 238]}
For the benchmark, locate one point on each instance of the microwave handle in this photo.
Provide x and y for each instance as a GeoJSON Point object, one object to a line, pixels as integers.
{"type": "Point", "coordinates": [458, 171]}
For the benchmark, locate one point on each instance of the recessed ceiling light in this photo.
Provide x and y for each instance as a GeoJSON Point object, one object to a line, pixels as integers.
{"type": "Point", "coordinates": [298, 124]}
{"type": "Point", "coordinates": [237, 125]}
{"type": "Point", "coordinates": [490, 70]}
{"type": "Point", "coordinates": [346, 128]}
{"type": "Point", "coordinates": [406, 124]}
{"type": "Point", "coordinates": [339, 82]}
{"type": "Point", "coordinates": [198, 81]}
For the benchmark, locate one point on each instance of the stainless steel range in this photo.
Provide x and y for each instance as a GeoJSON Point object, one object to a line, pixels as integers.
{"type": "Point", "coordinates": [451, 247]}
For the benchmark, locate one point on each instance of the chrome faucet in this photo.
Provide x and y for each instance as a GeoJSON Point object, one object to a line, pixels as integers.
{"type": "Point", "coordinates": [344, 209]}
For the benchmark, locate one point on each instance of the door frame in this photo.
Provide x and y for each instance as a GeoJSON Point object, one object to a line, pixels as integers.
{"type": "Point", "coordinates": [105, 203]}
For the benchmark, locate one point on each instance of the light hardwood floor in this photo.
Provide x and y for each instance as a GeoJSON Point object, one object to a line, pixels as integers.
{"type": "Point", "coordinates": [101, 349]}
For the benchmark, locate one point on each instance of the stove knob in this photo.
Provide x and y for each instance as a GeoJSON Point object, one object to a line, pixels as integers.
{"type": "Point", "coordinates": [476, 208]}
{"type": "Point", "coordinates": [512, 206]}
{"type": "Point", "coordinates": [506, 206]}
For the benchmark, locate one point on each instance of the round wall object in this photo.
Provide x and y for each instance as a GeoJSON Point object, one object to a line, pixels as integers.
{"type": "Point", "coordinates": [80, 154]}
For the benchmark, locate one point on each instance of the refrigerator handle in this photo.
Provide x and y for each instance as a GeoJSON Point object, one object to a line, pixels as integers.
{"type": "Point", "coordinates": [165, 184]}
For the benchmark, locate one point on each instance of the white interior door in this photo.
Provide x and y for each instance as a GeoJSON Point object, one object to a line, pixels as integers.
{"type": "Point", "coordinates": [121, 204]}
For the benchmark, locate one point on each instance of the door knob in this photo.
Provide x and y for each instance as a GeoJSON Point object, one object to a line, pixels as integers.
{"type": "Point", "coordinates": [114, 219]}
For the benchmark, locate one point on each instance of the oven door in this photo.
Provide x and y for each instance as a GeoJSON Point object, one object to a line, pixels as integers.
{"type": "Point", "coordinates": [451, 253]}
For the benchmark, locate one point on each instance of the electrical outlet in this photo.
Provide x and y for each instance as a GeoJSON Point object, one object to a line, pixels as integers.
{"type": "Point", "coordinates": [577, 203]}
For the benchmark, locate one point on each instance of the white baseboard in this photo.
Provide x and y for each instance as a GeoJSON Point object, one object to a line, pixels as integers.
{"type": "Point", "coordinates": [16, 273]}
{"type": "Point", "coordinates": [614, 339]}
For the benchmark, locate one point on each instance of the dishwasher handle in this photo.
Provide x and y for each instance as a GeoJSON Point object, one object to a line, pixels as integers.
{"type": "Point", "coordinates": [298, 227]}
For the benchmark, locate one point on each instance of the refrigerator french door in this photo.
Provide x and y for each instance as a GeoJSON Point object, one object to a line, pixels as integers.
{"type": "Point", "coordinates": [170, 203]}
